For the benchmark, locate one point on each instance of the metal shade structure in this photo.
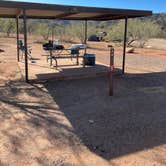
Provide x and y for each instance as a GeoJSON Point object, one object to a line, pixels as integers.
{"type": "Point", "coordinates": [26, 10]}
{"type": "Point", "coordinates": [11, 9]}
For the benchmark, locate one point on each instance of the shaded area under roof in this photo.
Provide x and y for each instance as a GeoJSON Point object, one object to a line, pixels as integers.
{"type": "Point", "coordinates": [11, 9]}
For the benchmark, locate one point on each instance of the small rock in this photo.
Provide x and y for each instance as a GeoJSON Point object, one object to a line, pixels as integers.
{"type": "Point", "coordinates": [91, 121]}
{"type": "Point", "coordinates": [148, 46]}
{"type": "Point", "coordinates": [95, 147]}
{"type": "Point", "coordinates": [2, 50]}
{"type": "Point", "coordinates": [130, 50]}
{"type": "Point", "coordinates": [102, 150]}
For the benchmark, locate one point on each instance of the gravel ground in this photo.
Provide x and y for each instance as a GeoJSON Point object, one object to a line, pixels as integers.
{"type": "Point", "coordinates": [76, 123]}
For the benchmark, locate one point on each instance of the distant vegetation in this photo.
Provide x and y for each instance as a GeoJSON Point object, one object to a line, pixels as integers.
{"type": "Point", "coordinates": [139, 29]}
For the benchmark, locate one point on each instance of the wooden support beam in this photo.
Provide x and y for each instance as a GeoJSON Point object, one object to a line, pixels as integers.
{"type": "Point", "coordinates": [17, 29]}
{"type": "Point", "coordinates": [124, 46]}
{"type": "Point", "coordinates": [25, 45]}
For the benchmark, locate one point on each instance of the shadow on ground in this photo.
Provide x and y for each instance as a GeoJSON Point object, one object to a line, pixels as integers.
{"type": "Point", "coordinates": [132, 120]}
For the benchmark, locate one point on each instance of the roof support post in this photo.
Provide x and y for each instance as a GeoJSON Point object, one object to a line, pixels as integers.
{"type": "Point", "coordinates": [52, 33]}
{"type": "Point", "coordinates": [17, 29]}
{"type": "Point", "coordinates": [85, 39]}
{"type": "Point", "coordinates": [85, 32]}
{"type": "Point", "coordinates": [124, 46]}
{"type": "Point", "coordinates": [25, 45]}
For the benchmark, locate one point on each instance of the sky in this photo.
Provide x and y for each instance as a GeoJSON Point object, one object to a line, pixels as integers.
{"type": "Point", "coordinates": [155, 5]}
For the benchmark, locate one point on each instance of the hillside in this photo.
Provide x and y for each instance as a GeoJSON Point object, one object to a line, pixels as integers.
{"type": "Point", "coordinates": [158, 18]}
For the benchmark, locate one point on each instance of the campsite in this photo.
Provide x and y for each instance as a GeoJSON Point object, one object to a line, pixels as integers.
{"type": "Point", "coordinates": [68, 101]}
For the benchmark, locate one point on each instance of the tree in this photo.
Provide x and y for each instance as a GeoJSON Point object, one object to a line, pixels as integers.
{"type": "Point", "coordinates": [142, 30]}
{"type": "Point", "coordinates": [8, 26]}
{"type": "Point", "coordinates": [31, 26]}
{"type": "Point", "coordinates": [44, 30]}
{"type": "Point", "coordinates": [77, 31]}
{"type": "Point", "coordinates": [137, 30]}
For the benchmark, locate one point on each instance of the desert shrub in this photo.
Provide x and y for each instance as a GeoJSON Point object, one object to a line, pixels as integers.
{"type": "Point", "coordinates": [137, 30]}
{"type": "Point", "coordinates": [77, 31]}
{"type": "Point", "coordinates": [7, 26]}
{"type": "Point", "coordinates": [44, 30]}
{"type": "Point", "coordinates": [142, 31]}
{"type": "Point", "coordinates": [64, 33]}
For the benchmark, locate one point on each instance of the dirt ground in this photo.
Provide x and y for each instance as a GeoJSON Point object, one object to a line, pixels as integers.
{"type": "Point", "coordinates": [76, 123]}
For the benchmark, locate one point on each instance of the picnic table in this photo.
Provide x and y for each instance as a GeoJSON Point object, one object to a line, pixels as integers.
{"type": "Point", "coordinates": [55, 53]}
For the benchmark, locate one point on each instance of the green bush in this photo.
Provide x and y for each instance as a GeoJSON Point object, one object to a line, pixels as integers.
{"type": "Point", "coordinates": [72, 31]}
{"type": "Point", "coordinates": [44, 30]}
{"type": "Point", "coordinates": [137, 30]}
{"type": "Point", "coordinates": [7, 26]}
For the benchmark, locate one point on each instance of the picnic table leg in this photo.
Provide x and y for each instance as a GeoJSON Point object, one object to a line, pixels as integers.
{"type": "Point", "coordinates": [47, 57]}
{"type": "Point", "coordinates": [50, 57]}
{"type": "Point", "coordinates": [22, 54]}
{"type": "Point", "coordinates": [84, 62]}
{"type": "Point", "coordinates": [56, 63]}
{"type": "Point", "coordinates": [77, 60]}
{"type": "Point", "coordinates": [50, 61]}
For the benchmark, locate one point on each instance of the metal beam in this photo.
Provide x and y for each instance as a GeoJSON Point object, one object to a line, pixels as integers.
{"type": "Point", "coordinates": [47, 11]}
{"type": "Point", "coordinates": [85, 31]}
{"type": "Point", "coordinates": [41, 6]}
{"type": "Point", "coordinates": [19, 13]}
{"type": "Point", "coordinates": [124, 46]}
{"type": "Point", "coordinates": [17, 29]}
{"type": "Point", "coordinates": [65, 14]}
{"type": "Point", "coordinates": [72, 17]}
{"type": "Point", "coordinates": [25, 45]}
{"type": "Point", "coordinates": [85, 39]}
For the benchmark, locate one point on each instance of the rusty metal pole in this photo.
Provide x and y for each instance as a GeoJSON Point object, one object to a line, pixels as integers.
{"type": "Point", "coordinates": [85, 31]}
{"type": "Point", "coordinates": [17, 29]}
{"type": "Point", "coordinates": [25, 45]}
{"type": "Point", "coordinates": [85, 40]}
{"type": "Point", "coordinates": [124, 46]}
{"type": "Point", "coordinates": [111, 70]}
{"type": "Point", "coordinates": [52, 33]}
